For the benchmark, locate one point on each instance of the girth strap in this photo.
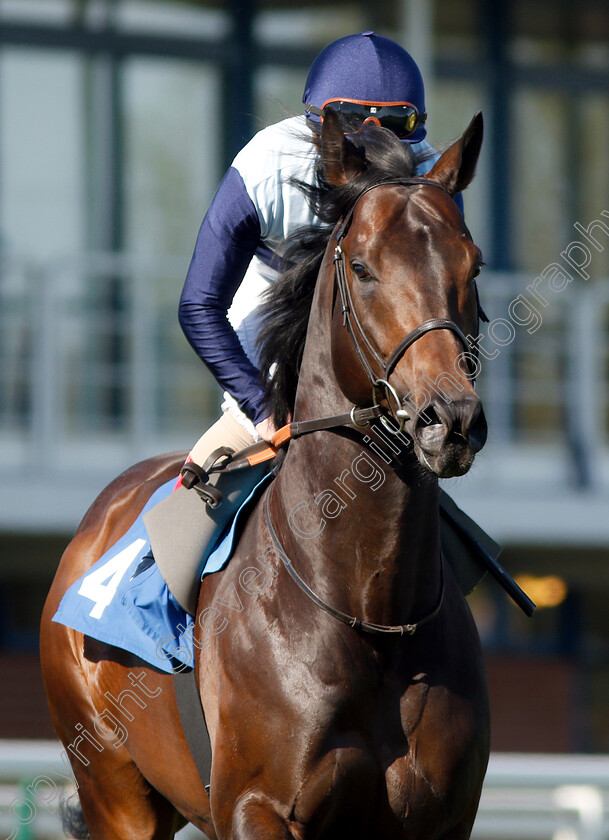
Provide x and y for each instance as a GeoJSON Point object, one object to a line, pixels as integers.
{"type": "Point", "coordinates": [193, 722]}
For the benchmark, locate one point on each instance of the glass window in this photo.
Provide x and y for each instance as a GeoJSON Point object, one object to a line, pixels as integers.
{"type": "Point", "coordinates": [37, 11]}
{"type": "Point", "coordinates": [123, 364]}
{"type": "Point", "coordinates": [457, 29]}
{"type": "Point", "coordinates": [541, 371]}
{"type": "Point", "coordinates": [524, 387]}
{"type": "Point", "coordinates": [41, 153]}
{"type": "Point", "coordinates": [307, 26]}
{"type": "Point", "coordinates": [559, 179]}
{"type": "Point", "coordinates": [549, 33]}
{"type": "Point", "coordinates": [42, 216]}
{"type": "Point", "coordinates": [16, 349]}
{"type": "Point", "coordinates": [603, 386]}
{"type": "Point", "coordinates": [278, 94]}
{"type": "Point", "coordinates": [539, 29]}
{"type": "Point", "coordinates": [451, 107]}
{"type": "Point", "coordinates": [540, 165]}
{"type": "Point", "coordinates": [172, 18]}
{"type": "Point", "coordinates": [592, 177]}
{"type": "Point", "coordinates": [593, 24]}
{"type": "Point", "coordinates": [172, 113]}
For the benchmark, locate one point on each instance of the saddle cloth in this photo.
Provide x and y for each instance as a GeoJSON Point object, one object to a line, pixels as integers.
{"type": "Point", "coordinates": [123, 600]}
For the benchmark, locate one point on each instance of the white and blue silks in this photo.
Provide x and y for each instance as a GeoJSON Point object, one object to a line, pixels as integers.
{"type": "Point", "coordinates": [239, 247]}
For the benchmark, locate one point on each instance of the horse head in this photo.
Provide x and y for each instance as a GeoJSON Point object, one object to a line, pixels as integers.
{"type": "Point", "coordinates": [406, 305]}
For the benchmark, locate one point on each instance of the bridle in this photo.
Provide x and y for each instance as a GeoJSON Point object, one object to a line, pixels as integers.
{"type": "Point", "coordinates": [350, 319]}
{"type": "Point", "coordinates": [363, 417]}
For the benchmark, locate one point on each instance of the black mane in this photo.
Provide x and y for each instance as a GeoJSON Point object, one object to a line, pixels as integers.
{"type": "Point", "coordinates": [287, 303]}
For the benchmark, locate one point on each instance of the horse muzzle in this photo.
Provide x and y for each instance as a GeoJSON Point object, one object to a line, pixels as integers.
{"type": "Point", "coordinates": [448, 435]}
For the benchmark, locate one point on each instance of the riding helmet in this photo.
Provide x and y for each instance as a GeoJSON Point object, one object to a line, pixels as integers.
{"type": "Point", "coordinates": [366, 67]}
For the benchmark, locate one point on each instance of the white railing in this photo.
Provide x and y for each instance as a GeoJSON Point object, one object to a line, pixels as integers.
{"type": "Point", "coordinates": [92, 346]}
{"type": "Point", "coordinates": [544, 797]}
{"type": "Point", "coordinates": [91, 349]}
{"type": "Point", "coordinates": [96, 374]}
{"type": "Point", "coordinates": [525, 797]}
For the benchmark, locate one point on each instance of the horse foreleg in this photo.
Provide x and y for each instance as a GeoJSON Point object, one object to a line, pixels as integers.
{"type": "Point", "coordinates": [463, 830]}
{"type": "Point", "coordinates": [255, 818]}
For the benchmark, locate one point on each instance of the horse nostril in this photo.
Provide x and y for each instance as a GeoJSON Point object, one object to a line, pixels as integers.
{"type": "Point", "coordinates": [477, 428]}
{"type": "Point", "coordinates": [460, 421]}
{"type": "Point", "coordinates": [469, 422]}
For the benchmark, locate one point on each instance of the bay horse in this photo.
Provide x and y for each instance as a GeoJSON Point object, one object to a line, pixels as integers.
{"type": "Point", "coordinates": [374, 725]}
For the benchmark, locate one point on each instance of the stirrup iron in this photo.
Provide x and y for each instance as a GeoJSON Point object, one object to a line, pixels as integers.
{"type": "Point", "coordinates": [196, 478]}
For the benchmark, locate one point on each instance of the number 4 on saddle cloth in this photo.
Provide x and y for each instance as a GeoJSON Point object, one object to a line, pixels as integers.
{"type": "Point", "coordinates": [124, 599]}
{"type": "Point", "coordinates": [141, 595]}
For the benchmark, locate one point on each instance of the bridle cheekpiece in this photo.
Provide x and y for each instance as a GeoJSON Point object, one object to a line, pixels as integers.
{"type": "Point", "coordinates": [350, 319]}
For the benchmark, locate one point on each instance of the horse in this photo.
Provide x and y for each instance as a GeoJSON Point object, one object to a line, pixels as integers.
{"type": "Point", "coordinates": [339, 667]}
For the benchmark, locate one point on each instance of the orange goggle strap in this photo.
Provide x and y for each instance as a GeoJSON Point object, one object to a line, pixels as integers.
{"type": "Point", "coordinates": [369, 104]}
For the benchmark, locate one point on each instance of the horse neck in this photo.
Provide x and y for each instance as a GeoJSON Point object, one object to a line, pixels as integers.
{"type": "Point", "coordinates": [364, 536]}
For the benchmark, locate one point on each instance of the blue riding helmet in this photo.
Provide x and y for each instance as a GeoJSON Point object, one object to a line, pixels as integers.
{"type": "Point", "coordinates": [367, 69]}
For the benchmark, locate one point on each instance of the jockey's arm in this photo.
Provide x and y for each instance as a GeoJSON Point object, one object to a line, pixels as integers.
{"type": "Point", "coordinates": [227, 241]}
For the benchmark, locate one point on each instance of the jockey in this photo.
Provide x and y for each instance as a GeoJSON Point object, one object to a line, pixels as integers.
{"type": "Point", "coordinates": [257, 207]}
{"type": "Point", "coordinates": [236, 258]}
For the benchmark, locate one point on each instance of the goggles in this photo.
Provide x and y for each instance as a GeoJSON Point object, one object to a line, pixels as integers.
{"type": "Point", "coordinates": [402, 118]}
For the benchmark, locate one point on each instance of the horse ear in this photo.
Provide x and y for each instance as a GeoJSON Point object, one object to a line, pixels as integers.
{"type": "Point", "coordinates": [341, 159]}
{"type": "Point", "coordinates": [456, 167]}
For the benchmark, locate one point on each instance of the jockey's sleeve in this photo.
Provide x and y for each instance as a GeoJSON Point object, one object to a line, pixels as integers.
{"type": "Point", "coordinates": [227, 241]}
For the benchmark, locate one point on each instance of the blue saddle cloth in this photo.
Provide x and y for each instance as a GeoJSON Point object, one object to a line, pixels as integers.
{"type": "Point", "coordinates": [123, 600]}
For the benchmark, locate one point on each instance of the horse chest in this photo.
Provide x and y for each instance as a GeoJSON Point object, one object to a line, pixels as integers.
{"type": "Point", "coordinates": [338, 727]}
{"type": "Point", "coordinates": [379, 792]}
{"type": "Point", "coordinates": [391, 763]}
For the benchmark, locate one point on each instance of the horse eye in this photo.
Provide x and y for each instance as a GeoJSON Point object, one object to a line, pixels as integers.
{"type": "Point", "coordinates": [360, 271]}
{"type": "Point", "coordinates": [477, 270]}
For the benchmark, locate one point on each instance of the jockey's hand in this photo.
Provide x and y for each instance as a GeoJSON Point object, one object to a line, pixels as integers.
{"type": "Point", "coordinates": [266, 429]}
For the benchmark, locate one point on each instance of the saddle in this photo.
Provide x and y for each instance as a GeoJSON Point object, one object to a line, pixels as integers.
{"type": "Point", "coordinates": [185, 527]}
